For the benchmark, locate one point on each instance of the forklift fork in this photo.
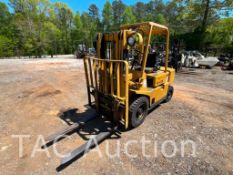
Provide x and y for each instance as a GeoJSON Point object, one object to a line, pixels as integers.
{"type": "Point", "coordinates": [83, 149]}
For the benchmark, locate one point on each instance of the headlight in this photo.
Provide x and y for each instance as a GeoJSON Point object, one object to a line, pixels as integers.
{"type": "Point", "coordinates": [131, 41]}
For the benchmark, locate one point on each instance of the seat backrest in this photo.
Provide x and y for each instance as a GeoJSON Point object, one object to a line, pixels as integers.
{"type": "Point", "coordinates": [151, 60]}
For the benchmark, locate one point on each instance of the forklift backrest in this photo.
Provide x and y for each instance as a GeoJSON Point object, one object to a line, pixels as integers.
{"type": "Point", "coordinates": [151, 60]}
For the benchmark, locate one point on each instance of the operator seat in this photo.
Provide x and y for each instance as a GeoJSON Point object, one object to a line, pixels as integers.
{"type": "Point", "coordinates": [152, 63]}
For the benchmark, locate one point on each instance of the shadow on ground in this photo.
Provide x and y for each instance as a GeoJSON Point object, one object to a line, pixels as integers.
{"type": "Point", "coordinates": [90, 126]}
{"type": "Point", "coordinates": [93, 127]}
{"type": "Point", "coordinates": [87, 125]}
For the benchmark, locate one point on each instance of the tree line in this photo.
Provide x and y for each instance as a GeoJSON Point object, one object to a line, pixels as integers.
{"type": "Point", "coordinates": [39, 27]}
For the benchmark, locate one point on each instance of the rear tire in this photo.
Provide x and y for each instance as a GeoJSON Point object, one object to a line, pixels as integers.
{"type": "Point", "coordinates": [169, 94]}
{"type": "Point", "coordinates": [138, 111]}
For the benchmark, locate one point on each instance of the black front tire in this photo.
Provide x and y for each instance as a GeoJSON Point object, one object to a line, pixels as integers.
{"type": "Point", "coordinates": [138, 111]}
{"type": "Point", "coordinates": [169, 94]}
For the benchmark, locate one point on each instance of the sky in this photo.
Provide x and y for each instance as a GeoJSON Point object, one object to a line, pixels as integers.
{"type": "Point", "coordinates": [82, 5]}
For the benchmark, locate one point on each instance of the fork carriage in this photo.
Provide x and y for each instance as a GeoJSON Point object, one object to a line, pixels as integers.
{"type": "Point", "coordinates": [107, 81]}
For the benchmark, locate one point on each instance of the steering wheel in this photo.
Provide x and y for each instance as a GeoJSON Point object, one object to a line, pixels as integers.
{"type": "Point", "coordinates": [136, 60]}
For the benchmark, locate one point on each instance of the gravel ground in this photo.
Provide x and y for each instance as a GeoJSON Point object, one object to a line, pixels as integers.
{"type": "Point", "coordinates": [35, 92]}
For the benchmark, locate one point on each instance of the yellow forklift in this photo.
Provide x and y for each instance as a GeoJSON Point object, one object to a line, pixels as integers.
{"type": "Point", "coordinates": [124, 80]}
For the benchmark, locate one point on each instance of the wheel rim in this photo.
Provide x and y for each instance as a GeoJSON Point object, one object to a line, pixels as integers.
{"type": "Point", "coordinates": [141, 112]}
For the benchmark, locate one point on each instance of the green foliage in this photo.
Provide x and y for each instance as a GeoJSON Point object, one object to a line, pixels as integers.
{"type": "Point", "coordinates": [38, 27]}
{"type": "Point", "coordinates": [51, 35]}
{"type": "Point", "coordinates": [139, 11]}
{"type": "Point", "coordinates": [4, 15]}
{"type": "Point", "coordinates": [128, 17]}
{"type": "Point", "coordinates": [160, 19]}
{"type": "Point", "coordinates": [64, 21]}
{"type": "Point", "coordinates": [107, 16]}
{"type": "Point", "coordinates": [220, 35]}
{"type": "Point", "coordinates": [118, 9]}
{"type": "Point", "coordinates": [77, 31]}
{"type": "Point", "coordinates": [94, 22]}
{"type": "Point", "coordinates": [87, 29]}
{"type": "Point", "coordinates": [6, 47]}
{"type": "Point", "coordinates": [94, 12]}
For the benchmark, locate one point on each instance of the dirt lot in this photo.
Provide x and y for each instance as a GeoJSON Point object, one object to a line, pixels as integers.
{"type": "Point", "coordinates": [35, 92]}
